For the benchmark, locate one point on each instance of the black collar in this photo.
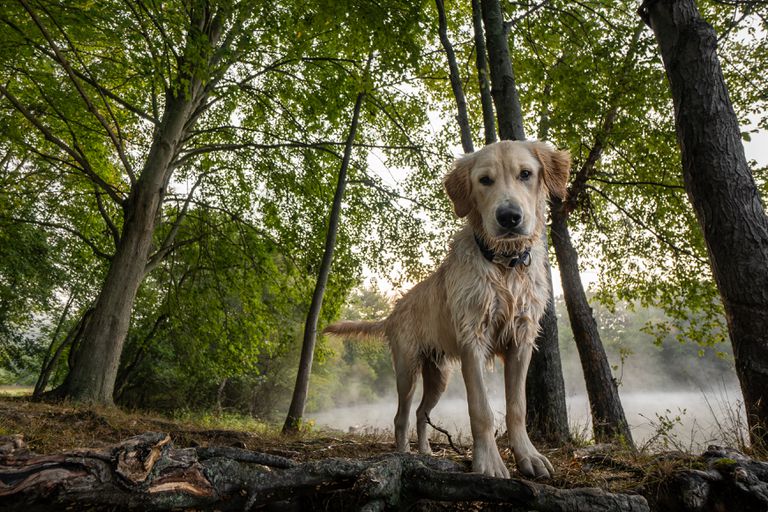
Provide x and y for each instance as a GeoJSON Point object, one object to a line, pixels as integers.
{"type": "Point", "coordinates": [502, 258]}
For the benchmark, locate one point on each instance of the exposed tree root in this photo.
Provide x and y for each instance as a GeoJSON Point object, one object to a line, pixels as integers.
{"type": "Point", "coordinates": [146, 472]}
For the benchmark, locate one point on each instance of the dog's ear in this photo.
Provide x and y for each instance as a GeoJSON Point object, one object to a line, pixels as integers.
{"type": "Point", "coordinates": [555, 169]}
{"type": "Point", "coordinates": [458, 186]}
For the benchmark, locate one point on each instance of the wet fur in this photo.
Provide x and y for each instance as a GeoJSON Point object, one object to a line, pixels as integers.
{"type": "Point", "coordinates": [470, 310]}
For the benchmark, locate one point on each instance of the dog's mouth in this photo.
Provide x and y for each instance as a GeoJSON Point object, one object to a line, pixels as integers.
{"type": "Point", "coordinates": [510, 234]}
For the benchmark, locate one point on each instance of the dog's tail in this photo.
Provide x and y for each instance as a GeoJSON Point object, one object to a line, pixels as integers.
{"type": "Point", "coordinates": [357, 329]}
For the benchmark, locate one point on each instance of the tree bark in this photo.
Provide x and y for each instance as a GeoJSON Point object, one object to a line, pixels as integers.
{"type": "Point", "coordinates": [300, 390]}
{"type": "Point", "coordinates": [608, 420]}
{"type": "Point", "coordinates": [146, 473]}
{"type": "Point", "coordinates": [722, 190]}
{"type": "Point", "coordinates": [481, 63]}
{"type": "Point", "coordinates": [458, 91]}
{"type": "Point", "coordinates": [547, 415]}
{"type": "Point", "coordinates": [503, 88]}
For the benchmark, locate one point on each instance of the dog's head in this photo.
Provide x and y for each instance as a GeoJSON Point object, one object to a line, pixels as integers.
{"type": "Point", "coordinates": [504, 186]}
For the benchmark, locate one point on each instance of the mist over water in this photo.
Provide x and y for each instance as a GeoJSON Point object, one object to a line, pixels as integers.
{"type": "Point", "coordinates": [697, 417]}
{"type": "Point", "coordinates": [664, 411]}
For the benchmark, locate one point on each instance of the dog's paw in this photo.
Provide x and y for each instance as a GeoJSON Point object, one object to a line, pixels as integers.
{"type": "Point", "coordinates": [487, 461]}
{"type": "Point", "coordinates": [425, 449]}
{"type": "Point", "coordinates": [534, 465]}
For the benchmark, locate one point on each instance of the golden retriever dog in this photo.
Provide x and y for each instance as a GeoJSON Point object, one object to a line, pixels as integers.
{"type": "Point", "coordinates": [485, 300]}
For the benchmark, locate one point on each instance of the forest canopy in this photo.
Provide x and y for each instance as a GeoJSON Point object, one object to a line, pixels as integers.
{"type": "Point", "coordinates": [219, 127]}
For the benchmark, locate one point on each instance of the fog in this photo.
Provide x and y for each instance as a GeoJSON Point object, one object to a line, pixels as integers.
{"type": "Point", "coordinates": [675, 396]}
{"type": "Point", "coordinates": [698, 417]}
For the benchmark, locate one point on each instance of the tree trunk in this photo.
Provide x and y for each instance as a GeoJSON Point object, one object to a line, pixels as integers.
{"type": "Point", "coordinates": [92, 379]}
{"type": "Point", "coordinates": [722, 190]}
{"type": "Point", "coordinates": [547, 415]}
{"type": "Point", "coordinates": [481, 63]}
{"type": "Point", "coordinates": [503, 87]}
{"type": "Point", "coordinates": [300, 390]}
{"type": "Point", "coordinates": [458, 91]}
{"type": "Point", "coordinates": [52, 356]}
{"type": "Point", "coordinates": [608, 420]}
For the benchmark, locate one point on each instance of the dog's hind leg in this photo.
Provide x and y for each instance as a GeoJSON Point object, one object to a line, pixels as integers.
{"type": "Point", "coordinates": [405, 373]}
{"type": "Point", "coordinates": [435, 376]}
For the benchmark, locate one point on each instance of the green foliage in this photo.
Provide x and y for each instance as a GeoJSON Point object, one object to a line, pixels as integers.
{"type": "Point", "coordinates": [229, 307]}
{"type": "Point", "coordinates": [241, 232]}
{"type": "Point", "coordinates": [89, 84]}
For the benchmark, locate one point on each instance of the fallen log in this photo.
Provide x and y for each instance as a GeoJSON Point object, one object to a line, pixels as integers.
{"type": "Point", "coordinates": [147, 473]}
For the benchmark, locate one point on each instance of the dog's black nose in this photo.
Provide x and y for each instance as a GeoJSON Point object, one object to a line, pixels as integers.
{"type": "Point", "coordinates": [509, 216]}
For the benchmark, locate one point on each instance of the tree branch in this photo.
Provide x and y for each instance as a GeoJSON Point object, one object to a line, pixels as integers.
{"type": "Point", "coordinates": [90, 243]}
{"type": "Point", "coordinates": [511, 23]}
{"type": "Point", "coordinates": [62, 60]}
{"type": "Point", "coordinates": [107, 219]}
{"type": "Point", "coordinates": [148, 470]}
{"type": "Point", "coordinates": [168, 244]}
{"type": "Point", "coordinates": [646, 227]}
{"type": "Point", "coordinates": [634, 183]}
{"type": "Point", "coordinates": [76, 155]}
{"type": "Point", "coordinates": [370, 183]}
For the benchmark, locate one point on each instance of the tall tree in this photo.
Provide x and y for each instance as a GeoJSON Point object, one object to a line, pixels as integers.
{"type": "Point", "coordinates": [722, 190]}
{"type": "Point", "coordinates": [185, 99]}
{"type": "Point", "coordinates": [301, 389]}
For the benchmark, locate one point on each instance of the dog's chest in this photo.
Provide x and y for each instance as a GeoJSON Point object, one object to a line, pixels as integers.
{"type": "Point", "coordinates": [510, 316]}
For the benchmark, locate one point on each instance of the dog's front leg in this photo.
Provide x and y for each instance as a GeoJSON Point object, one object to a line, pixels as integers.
{"type": "Point", "coordinates": [529, 461]}
{"type": "Point", "coordinates": [486, 458]}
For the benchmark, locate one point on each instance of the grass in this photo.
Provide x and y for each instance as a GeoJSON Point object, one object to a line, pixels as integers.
{"type": "Point", "coordinates": [50, 428]}
{"type": "Point", "coordinates": [16, 391]}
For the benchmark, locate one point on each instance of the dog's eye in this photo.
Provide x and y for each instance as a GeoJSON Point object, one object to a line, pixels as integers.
{"type": "Point", "coordinates": [486, 180]}
{"type": "Point", "coordinates": [525, 174]}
